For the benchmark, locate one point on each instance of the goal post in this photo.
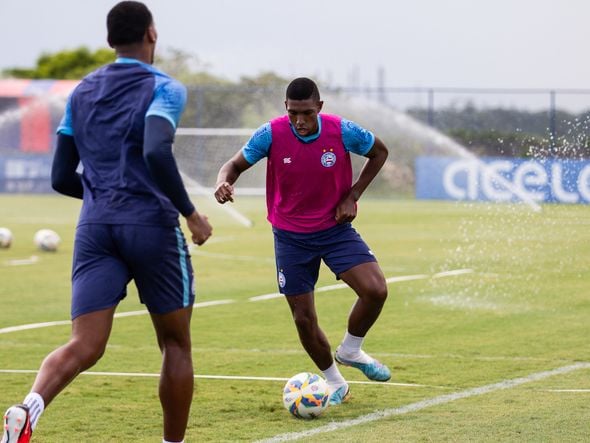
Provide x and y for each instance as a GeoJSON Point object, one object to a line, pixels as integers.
{"type": "Point", "coordinates": [200, 152]}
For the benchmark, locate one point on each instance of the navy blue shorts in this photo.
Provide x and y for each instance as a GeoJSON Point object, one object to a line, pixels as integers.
{"type": "Point", "coordinates": [108, 257]}
{"type": "Point", "coordinates": [298, 256]}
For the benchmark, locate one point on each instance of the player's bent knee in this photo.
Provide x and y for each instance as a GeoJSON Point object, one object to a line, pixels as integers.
{"type": "Point", "coordinates": [302, 323]}
{"type": "Point", "coordinates": [179, 348]}
{"type": "Point", "coordinates": [377, 293]}
{"type": "Point", "coordinates": [88, 354]}
{"type": "Point", "coordinates": [305, 323]}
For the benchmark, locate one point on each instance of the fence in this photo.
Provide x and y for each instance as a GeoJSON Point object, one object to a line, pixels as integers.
{"type": "Point", "coordinates": [239, 107]}
{"type": "Point", "coordinates": [429, 98]}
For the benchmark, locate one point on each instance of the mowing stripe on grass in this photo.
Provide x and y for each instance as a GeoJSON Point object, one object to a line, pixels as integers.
{"type": "Point", "coordinates": [413, 407]}
{"type": "Point", "coordinates": [248, 258]}
{"type": "Point", "coordinates": [585, 391]}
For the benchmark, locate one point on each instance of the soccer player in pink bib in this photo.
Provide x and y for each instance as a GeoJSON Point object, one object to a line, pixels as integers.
{"type": "Point", "coordinates": [311, 201]}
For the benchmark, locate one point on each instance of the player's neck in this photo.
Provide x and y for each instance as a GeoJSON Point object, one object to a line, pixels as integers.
{"type": "Point", "coordinates": [138, 52]}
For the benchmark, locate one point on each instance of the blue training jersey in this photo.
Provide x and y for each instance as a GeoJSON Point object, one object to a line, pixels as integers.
{"type": "Point", "coordinates": [106, 116]}
{"type": "Point", "coordinates": [355, 138]}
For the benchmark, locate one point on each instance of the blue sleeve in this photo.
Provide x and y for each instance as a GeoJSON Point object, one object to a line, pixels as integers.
{"type": "Point", "coordinates": [65, 125]}
{"type": "Point", "coordinates": [259, 144]}
{"type": "Point", "coordinates": [64, 178]}
{"type": "Point", "coordinates": [356, 139]}
{"type": "Point", "coordinates": [169, 100]}
{"type": "Point", "coordinates": [157, 153]}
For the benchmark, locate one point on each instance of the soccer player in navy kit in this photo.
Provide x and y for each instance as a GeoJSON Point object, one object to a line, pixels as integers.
{"type": "Point", "coordinates": [311, 201]}
{"type": "Point", "coordinates": [119, 125]}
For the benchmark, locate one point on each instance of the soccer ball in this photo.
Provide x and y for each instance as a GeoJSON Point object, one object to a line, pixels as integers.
{"type": "Point", "coordinates": [5, 238]}
{"type": "Point", "coordinates": [306, 395]}
{"type": "Point", "coordinates": [47, 240]}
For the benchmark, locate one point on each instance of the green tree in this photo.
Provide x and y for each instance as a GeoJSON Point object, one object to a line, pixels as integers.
{"type": "Point", "coordinates": [213, 101]}
{"type": "Point", "coordinates": [70, 64]}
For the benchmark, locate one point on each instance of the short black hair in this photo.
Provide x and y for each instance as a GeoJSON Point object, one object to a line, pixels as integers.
{"type": "Point", "coordinates": [127, 23]}
{"type": "Point", "coordinates": [303, 88]}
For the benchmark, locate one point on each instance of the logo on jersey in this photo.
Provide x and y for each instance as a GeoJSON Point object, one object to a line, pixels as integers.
{"type": "Point", "coordinates": [287, 160]}
{"type": "Point", "coordinates": [282, 279]}
{"type": "Point", "coordinates": [328, 158]}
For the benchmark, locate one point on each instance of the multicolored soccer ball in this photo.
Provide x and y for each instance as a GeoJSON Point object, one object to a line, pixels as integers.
{"type": "Point", "coordinates": [47, 240]}
{"type": "Point", "coordinates": [5, 238]}
{"type": "Point", "coordinates": [306, 395]}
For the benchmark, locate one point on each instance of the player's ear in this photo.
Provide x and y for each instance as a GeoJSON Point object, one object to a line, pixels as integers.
{"type": "Point", "coordinates": [285, 104]}
{"type": "Point", "coordinates": [320, 105]}
{"type": "Point", "coordinates": [152, 34]}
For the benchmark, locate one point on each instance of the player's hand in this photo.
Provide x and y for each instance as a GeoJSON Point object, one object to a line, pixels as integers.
{"type": "Point", "coordinates": [200, 228]}
{"type": "Point", "coordinates": [346, 210]}
{"type": "Point", "coordinates": [224, 193]}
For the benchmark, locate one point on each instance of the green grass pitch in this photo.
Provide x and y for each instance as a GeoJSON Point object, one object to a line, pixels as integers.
{"type": "Point", "coordinates": [496, 293]}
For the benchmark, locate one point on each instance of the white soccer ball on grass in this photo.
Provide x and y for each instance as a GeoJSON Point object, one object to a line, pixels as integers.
{"type": "Point", "coordinates": [47, 240]}
{"type": "Point", "coordinates": [5, 238]}
{"type": "Point", "coordinates": [306, 395]}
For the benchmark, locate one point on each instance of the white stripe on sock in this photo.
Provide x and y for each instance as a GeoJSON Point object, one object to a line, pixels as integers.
{"type": "Point", "coordinates": [36, 407]}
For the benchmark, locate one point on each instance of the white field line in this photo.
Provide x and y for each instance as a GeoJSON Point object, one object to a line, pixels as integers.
{"type": "Point", "coordinates": [34, 326]}
{"type": "Point", "coordinates": [435, 401]}
{"type": "Point", "coordinates": [194, 187]}
{"type": "Point", "coordinates": [452, 273]}
{"type": "Point", "coordinates": [217, 377]}
{"type": "Point", "coordinates": [397, 279]}
{"type": "Point", "coordinates": [267, 296]}
{"type": "Point", "coordinates": [22, 261]}
{"type": "Point", "coordinates": [118, 315]}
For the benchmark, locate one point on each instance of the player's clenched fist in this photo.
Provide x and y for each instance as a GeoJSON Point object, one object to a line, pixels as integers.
{"type": "Point", "coordinates": [200, 228]}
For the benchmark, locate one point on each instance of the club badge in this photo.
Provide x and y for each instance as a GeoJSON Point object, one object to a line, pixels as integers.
{"type": "Point", "coordinates": [328, 158]}
{"type": "Point", "coordinates": [282, 279]}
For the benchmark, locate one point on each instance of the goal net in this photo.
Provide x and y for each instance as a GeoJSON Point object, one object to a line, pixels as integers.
{"type": "Point", "coordinates": [200, 152]}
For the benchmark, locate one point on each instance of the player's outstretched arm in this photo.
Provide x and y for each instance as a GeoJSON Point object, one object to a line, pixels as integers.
{"type": "Point", "coordinates": [157, 153]}
{"type": "Point", "coordinates": [64, 178]}
{"type": "Point", "coordinates": [227, 176]}
{"type": "Point", "coordinates": [347, 209]}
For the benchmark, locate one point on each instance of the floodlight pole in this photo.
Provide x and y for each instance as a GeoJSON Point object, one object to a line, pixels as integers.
{"type": "Point", "coordinates": [552, 118]}
{"type": "Point", "coordinates": [431, 107]}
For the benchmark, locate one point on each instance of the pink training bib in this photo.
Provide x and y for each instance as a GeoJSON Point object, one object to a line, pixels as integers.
{"type": "Point", "coordinates": [306, 181]}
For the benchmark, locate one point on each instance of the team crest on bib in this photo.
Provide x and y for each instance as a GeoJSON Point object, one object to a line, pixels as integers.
{"type": "Point", "coordinates": [282, 279]}
{"type": "Point", "coordinates": [328, 158]}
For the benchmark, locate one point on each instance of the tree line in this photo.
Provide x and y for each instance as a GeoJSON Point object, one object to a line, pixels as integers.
{"type": "Point", "coordinates": [513, 132]}
{"type": "Point", "coordinates": [218, 102]}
